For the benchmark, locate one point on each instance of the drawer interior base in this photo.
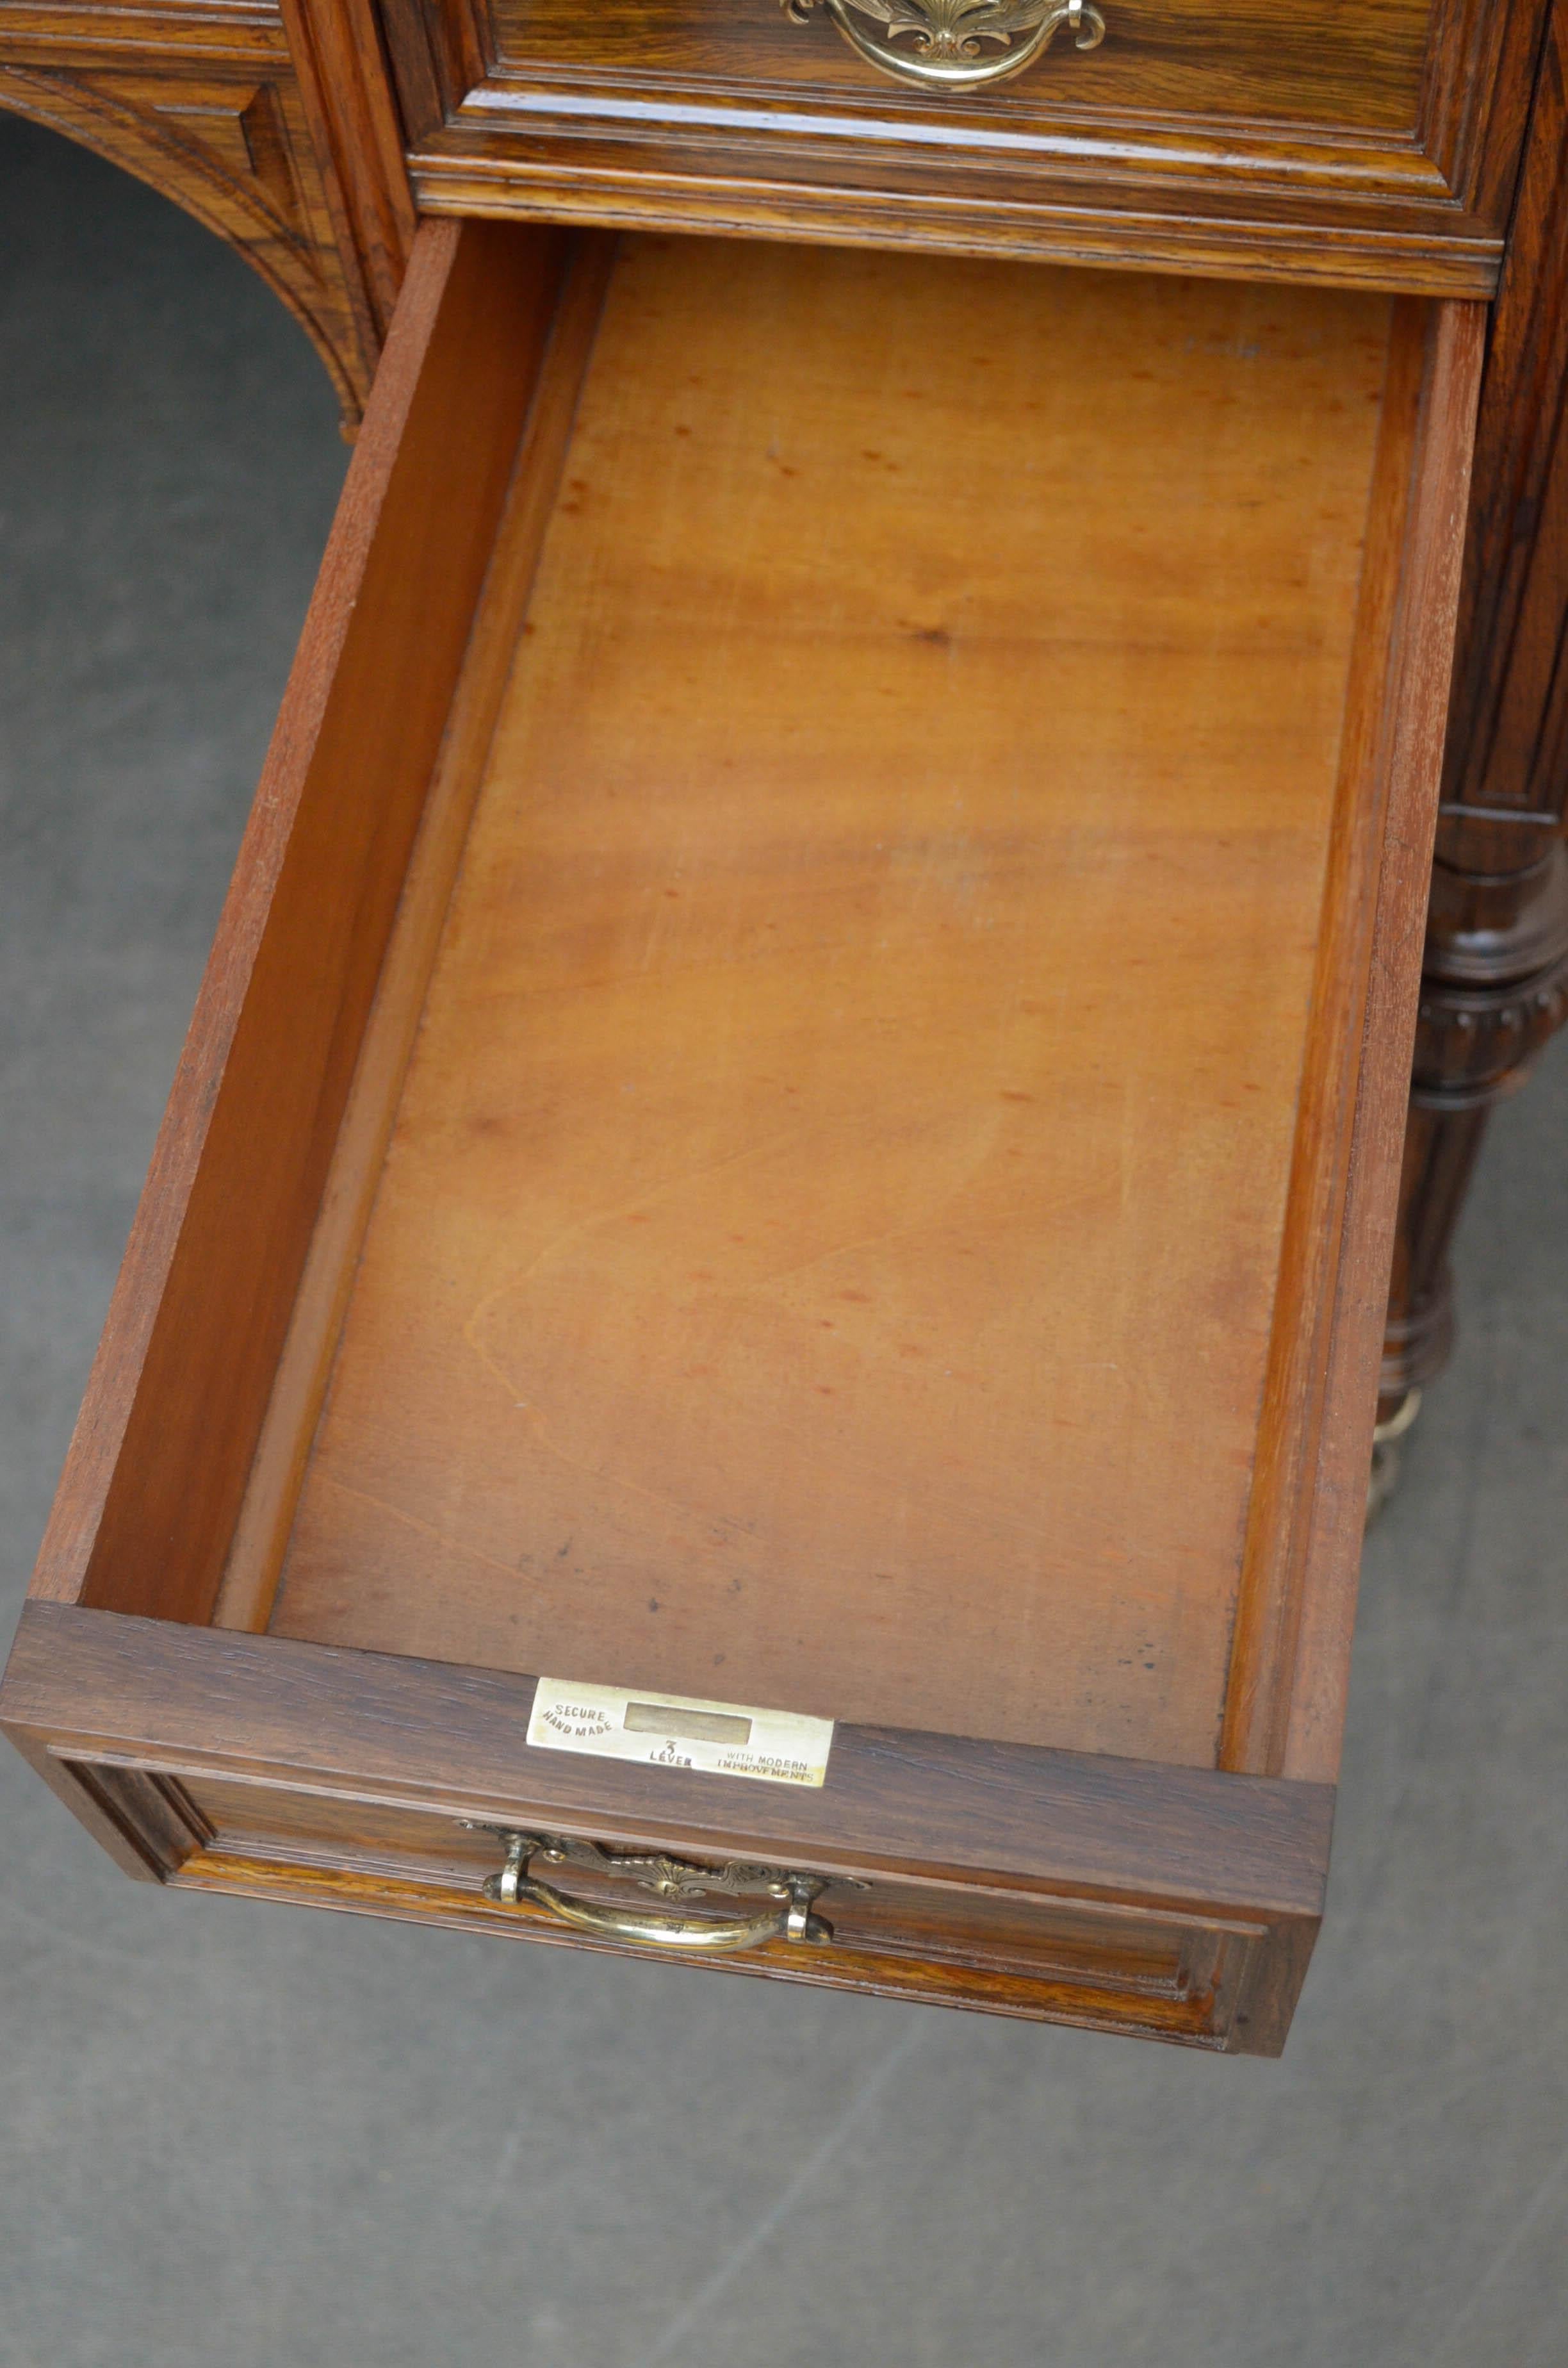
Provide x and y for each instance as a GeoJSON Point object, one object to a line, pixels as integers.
{"type": "Point", "coordinates": [797, 1101]}
{"type": "Point", "coordinates": [824, 1247]}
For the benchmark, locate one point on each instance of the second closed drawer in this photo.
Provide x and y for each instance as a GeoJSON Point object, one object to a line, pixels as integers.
{"type": "Point", "coordinates": [1364, 142]}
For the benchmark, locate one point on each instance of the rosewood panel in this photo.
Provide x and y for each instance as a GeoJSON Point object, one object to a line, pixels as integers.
{"type": "Point", "coordinates": [1373, 143]}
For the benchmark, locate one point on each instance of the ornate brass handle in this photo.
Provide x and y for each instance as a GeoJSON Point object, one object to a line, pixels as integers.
{"type": "Point", "coordinates": [946, 35]}
{"type": "Point", "coordinates": [790, 1919]}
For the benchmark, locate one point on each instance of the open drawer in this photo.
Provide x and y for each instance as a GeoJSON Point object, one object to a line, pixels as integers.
{"type": "Point", "coordinates": [794, 1122]}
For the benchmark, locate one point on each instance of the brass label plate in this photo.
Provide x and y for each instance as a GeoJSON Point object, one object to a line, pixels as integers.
{"type": "Point", "coordinates": [772, 1747]}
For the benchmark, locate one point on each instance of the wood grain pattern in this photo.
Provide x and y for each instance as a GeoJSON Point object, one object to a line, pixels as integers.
{"type": "Point", "coordinates": [844, 1162]}
{"type": "Point", "coordinates": [1412, 729]}
{"type": "Point", "coordinates": [1185, 1972]}
{"type": "Point", "coordinates": [1497, 961]}
{"type": "Point", "coordinates": [972, 887]}
{"type": "Point", "coordinates": [335, 1747]}
{"type": "Point", "coordinates": [256, 1557]}
{"type": "Point", "coordinates": [392, 1727]}
{"type": "Point", "coordinates": [1212, 2020]}
{"type": "Point", "coordinates": [1281, 1512]}
{"type": "Point", "coordinates": [1373, 145]}
{"type": "Point", "coordinates": [157, 1465]}
{"type": "Point", "coordinates": [276, 128]}
{"type": "Point", "coordinates": [1503, 788]}
{"type": "Point", "coordinates": [1167, 1954]}
{"type": "Point", "coordinates": [1308, 1510]}
{"type": "Point", "coordinates": [225, 136]}
{"type": "Point", "coordinates": [334, 48]}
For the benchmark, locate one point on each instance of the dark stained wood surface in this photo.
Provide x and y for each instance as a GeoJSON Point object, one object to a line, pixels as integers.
{"type": "Point", "coordinates": [1504, 785]}
{"type": "Point", "coordinates": [1496, 964]}
{"type": "Point", "coordinates": [1166, 1954]}
{"type": "Point", "coordinates": [1371, 144]}
{"type": "Point", "coordinates": [1245, 2013]}
{"type": "Point", "coordinates": [336, 49]}
{"type": "Point", "coordinates": [1047, 1884]}
{"type": "Point", "coordinates": [389, 1727]}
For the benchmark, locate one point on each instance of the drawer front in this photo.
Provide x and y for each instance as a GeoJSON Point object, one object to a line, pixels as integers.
{"type": "Point", "coordinates": [1165, 1975]}
{"type": "Point", "coordinates": [1117, 1896]}
{"type": "Point", "coordinates": [1371, 142]}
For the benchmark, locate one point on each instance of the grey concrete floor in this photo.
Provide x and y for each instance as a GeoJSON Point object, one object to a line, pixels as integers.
{"type": "Point", "coordinates": [259, 2138]}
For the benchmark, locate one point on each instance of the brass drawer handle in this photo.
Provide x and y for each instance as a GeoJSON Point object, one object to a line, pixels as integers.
{"type": "Point", "coordinates": [946, 35]}
{"type": "Point", "coordinates": [790, 1919]}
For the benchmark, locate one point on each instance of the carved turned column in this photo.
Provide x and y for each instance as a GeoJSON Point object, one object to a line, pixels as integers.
{"type": "Point", "coordinates": [1497, 968]}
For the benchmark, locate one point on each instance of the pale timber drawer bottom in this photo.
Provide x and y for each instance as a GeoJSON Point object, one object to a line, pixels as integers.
{"type": "Point", "coordinates": [796, 1106]}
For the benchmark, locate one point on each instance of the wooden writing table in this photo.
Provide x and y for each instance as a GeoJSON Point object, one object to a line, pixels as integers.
{"type": "Point", "coordinates": [799, 1105]}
